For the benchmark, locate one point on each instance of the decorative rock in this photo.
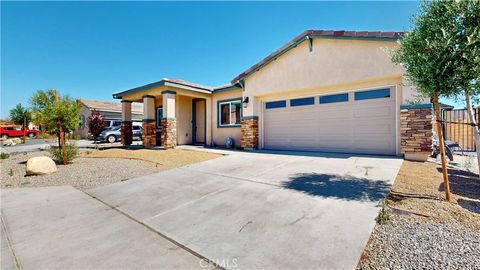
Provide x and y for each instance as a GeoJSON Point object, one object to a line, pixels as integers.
{"type": "Point", "coordinates": [40, 165]}
{"type": "Point", "coordinates": [8, 142]}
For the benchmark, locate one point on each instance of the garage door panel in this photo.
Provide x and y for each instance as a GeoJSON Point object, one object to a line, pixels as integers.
{"type": "Point", "coordinates": [365, 126]}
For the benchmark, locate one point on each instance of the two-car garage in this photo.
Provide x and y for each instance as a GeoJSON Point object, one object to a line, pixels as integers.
{"type": "Point", "coordinates": [360, 121]}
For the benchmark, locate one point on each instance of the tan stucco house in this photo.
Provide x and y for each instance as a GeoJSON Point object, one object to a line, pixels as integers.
{"type": "Point", "coordinates": [332, 91]}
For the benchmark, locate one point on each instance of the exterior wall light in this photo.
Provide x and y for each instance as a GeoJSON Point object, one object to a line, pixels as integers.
{"type": "Point", "coordinates": [245, 102]}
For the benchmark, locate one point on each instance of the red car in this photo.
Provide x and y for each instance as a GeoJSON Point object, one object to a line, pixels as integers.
{"type": "Point", "coordinates": [13, 131]}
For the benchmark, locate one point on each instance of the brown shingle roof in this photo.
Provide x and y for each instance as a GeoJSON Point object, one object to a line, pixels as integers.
{"type": "Point", "coordinates": [110, 106]}
{"type": "Point", "coordinates": [319, 34]}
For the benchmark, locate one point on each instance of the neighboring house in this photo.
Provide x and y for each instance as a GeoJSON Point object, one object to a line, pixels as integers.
{"type": "Point", "coordinates": [332, 91]}
{"type": "Point", "coordinates": [111, 112]}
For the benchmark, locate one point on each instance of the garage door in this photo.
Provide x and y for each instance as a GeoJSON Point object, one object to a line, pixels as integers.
{"type": "Point", "coordinates": [354, 122]}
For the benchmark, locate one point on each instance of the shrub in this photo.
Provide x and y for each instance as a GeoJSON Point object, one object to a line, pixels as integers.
{"type": "Point", "coordinates": [4, 155]}
{"type": "Point", "coordinates": [384, 214]}
{"type": "Point", "coordinates": [72, 152]}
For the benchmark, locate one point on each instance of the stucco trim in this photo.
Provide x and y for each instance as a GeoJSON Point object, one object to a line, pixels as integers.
{"type": "Point", "coordinates": [169, 92]}
{"type": "Point", "coordinates": [250, 117]}
{"type": "Point", "coordinates": [226, 89]}
{"type": "Point", "coordinates": [148, 120]}
{"type": "Point", "coordinates": [416, 106]}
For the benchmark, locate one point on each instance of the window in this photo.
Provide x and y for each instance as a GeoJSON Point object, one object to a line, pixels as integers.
{"type": "Point", "coordinates": [275, 104]}
{"type": "Point", "coordinates": [135, 127]}
{"type": "Point", "coordinates": [229, 113]}
{"type": "Point", "coordinates": [372, 94]}
{"type": "Point", "coordinates": [82, 121]}
{"type": "Point", "coordinates": [159, 117]}
{"type": "Point", "coordinates": [117, 123]}
{"type": "Point", "coordinates": [334, 98]}
{"type": "Point", "coordinates": [302, 101]}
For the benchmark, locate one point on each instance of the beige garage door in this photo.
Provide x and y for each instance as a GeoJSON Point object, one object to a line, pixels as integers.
{"type": "Point", "coordinates": [354, 122]}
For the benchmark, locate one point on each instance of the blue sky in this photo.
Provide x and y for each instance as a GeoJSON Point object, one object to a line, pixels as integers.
{"type": "Point", "coordinates": [92, 49]}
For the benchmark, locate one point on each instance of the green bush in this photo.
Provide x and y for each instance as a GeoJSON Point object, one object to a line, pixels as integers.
{"type": "Point", "coordinates": [384, 214]}
{"type": "Point", "coordinates": [4, 155]}
{"type": "Point", "coordinates": [72, 152]}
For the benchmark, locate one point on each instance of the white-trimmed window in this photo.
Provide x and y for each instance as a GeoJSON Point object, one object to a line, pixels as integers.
{"type": "Point", "coordinates": [229, 113]}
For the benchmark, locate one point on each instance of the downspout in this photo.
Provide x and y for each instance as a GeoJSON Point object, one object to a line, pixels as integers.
{"type": "Point", "coordinates": [212, 111]}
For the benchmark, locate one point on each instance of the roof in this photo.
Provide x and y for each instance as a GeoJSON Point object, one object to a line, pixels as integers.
{"type": "Point", "coordinates": [234, 84]}
{"type": "Point", "coordinates": [176, 83]}
{"type": "Point", "coordinates": [310, 34]}
{"type": "Point", "coordinates": [109, 106]}
{"type": "Point", "coordinates": [445, 106]}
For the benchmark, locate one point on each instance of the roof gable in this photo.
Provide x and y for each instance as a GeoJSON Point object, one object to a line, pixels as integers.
{"type": "Point", "coordinates": [310, 34]}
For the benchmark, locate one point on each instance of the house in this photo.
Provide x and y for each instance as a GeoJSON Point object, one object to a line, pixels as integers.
{"type": "Point", "coordinates": [333, 91]}
{"type": "Point", "coordinates": [111, 112]}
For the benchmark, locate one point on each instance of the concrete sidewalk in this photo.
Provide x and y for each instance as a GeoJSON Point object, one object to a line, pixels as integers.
{"type": "Point", "coordinates": [63, 228]}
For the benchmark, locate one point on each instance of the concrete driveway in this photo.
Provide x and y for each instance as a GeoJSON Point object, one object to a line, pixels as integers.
{"type": "Point", "coordinates": [268, 210]}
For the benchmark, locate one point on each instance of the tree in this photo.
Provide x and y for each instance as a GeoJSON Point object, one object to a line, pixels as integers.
{"type": "Point", "coordinates": [21, 116]}
{"type": "Point", "coordinates": [465, 44]}
{"type": "Point", "coordinates": [427, 57]}
{"type": "Point", "coordinates": [95, 124]}
{"type": "Point", "coordinates": [58, 115]}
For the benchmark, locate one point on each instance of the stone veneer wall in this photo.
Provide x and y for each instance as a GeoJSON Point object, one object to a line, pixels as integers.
{"type": "Point", "coordinates": [249, 133]}
{"type": "Point", "coordinates": [169, 133]}
{"type": "Point", "coordinates": [149, 136]}
{"type": "Point", "coordinates": [126, 132]}
{"type": "Point", "coordinates": [416, 127]}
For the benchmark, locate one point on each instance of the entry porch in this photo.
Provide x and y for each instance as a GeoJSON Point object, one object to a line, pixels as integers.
{"type": "Point", "coordinates": [172, 115]}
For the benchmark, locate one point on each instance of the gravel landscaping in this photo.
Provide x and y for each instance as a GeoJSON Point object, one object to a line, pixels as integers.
{"type": "Point", "coordinates": [425, 231]}
{"type": "Point", "coordinates": [97, 168]}
{"type": "Point", "coordinates": [83, 173]}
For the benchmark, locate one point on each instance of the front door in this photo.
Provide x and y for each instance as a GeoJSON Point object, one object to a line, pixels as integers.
{"type": "Point", "coordinates": [199, 121]}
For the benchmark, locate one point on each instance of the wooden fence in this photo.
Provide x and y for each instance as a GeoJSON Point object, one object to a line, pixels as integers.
{"type": "Point", "coordinates": [457, 128]}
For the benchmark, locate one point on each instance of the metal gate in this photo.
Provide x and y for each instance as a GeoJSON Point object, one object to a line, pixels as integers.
{"type": "Point", "coordinates": [457, 128]}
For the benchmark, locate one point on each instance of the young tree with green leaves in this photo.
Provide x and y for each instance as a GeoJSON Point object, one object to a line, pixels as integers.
{"type": "Point", "coordinates": [428, 61]}
{"type": "Point", "coordinates": [59, 115]}
{"type": "Point", "coordinates": [21, 116]}
{"type": "Point", "coordinates": [465, 44]}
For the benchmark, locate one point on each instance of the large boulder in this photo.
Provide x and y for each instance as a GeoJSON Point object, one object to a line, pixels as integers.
{"type": "Point", "coordinates": [40, 165]}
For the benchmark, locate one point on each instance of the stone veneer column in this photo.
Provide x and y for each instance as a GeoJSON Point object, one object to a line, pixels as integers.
{"type": "Point", "coordinates": [126, 127]}
{"type": "Point", "coordinates": [249, 132]}
{"type": "Point", "coordinates": [149, 137]}
{"type": "Point", "coordinates": [168, 122]}
{"type": "Point", "coordinates": [149, 129]}
{"type": "Point", "coordinates": [169, 133]}
{"type": "Point", "coordinates": [416, 128]}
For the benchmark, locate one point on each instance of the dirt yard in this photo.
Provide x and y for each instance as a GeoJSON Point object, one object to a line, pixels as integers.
{"type": "Point", "coordinates": [424, 230]}
{"type": "Point", "coordinates": [97, 168]}
{"type": "Point", "coordinates": [163, 159]}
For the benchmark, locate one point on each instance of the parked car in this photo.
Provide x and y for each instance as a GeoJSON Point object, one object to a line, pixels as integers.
{"type": "Point", "coordinates": [114, 134]}
{"type": "Point", "coordinates": [110, 124]}
{"type": "Point", "coordinates": [13, 131]}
